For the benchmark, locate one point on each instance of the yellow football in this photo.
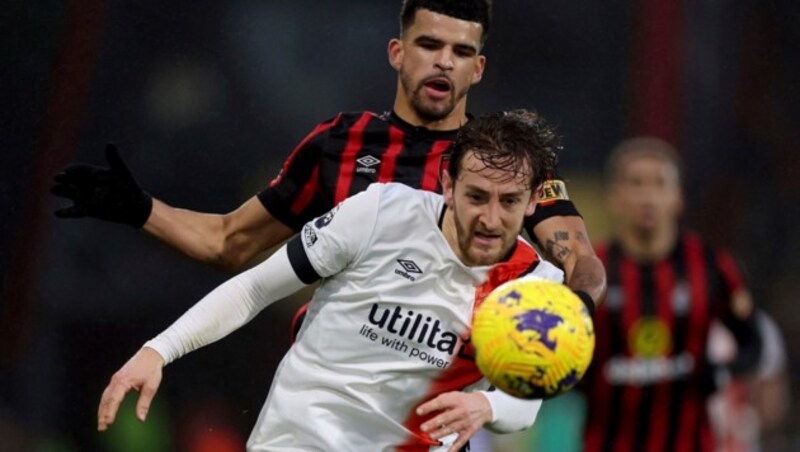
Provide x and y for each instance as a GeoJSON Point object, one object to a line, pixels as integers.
{"type": "Point", "coordinates": [533, 338]}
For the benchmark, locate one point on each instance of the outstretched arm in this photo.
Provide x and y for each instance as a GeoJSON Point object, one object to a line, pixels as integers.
{"type": "Point", "coordinates": [224, 241]}
{"type": "Point", "coordinates": [113, 194]}
{"type": "Point", "coordinates": [566, 243]}
{"type": "Point", "coordinates": [218, 314]}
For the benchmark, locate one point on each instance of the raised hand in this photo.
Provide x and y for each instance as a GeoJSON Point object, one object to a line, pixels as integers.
{"type": "Point", "coordinates": [110, 194]}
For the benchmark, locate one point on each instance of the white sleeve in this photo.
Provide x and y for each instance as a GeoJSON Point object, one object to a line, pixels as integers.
{"type": "Point", "coordinates": [228, 307]}
{"type": "Point", "coordinates": [337, 239]}
{"type": "Point", "coordinates": [511, 414]}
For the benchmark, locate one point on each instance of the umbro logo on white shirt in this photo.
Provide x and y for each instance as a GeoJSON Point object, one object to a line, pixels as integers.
{"type": "Point", "coordinates": [409, 266]}
{"type": "Point", "coordinates": [366, 164]}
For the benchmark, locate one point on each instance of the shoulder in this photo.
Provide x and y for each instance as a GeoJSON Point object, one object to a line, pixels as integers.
{"type": "Point", "coordinates": [396, 201]}
{"type": "Point", "coordinates": [545, 270]}
{"type": "Point", "coordinates": [347, 119]}
{"type": "Point", "coordinates": [401, 194]}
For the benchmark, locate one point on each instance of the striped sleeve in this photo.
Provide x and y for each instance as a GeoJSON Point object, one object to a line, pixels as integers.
{"type": "Point", "coordinates": [290, 196]}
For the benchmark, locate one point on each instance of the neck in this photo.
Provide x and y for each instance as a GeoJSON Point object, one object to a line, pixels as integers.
{"type": "Point", "coordinates": [450, 233]}
{"type": "Point", "coordinates": [645, 247]}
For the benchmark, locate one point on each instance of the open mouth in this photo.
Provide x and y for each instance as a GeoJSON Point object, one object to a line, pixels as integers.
{"type": "Point", "coordinates": [485, 238]}
{"type": "Point", "coordinates": [439, 85]}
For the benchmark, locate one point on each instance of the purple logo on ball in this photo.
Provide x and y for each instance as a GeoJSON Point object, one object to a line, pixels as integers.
{"type": "Point", "coordinates": [541, 322]}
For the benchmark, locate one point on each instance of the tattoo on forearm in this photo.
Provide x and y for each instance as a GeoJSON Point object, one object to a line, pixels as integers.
{"type": "Point", "coordinates": [556, 247]}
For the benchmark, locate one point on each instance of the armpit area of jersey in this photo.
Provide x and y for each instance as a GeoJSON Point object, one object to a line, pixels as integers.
{"type": "Point", "coordinates": [279, 209]}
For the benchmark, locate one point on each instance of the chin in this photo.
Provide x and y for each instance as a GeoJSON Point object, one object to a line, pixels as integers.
{"type": "Point", "coordinates": [485, 258]}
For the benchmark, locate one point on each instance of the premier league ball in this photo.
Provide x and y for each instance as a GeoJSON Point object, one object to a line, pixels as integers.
{"type": "Point", "coordinates": [533, 339]}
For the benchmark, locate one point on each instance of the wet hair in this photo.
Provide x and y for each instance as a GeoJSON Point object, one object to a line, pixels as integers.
{"type": "Point", "coordinates": [518, 141]}
{"type": "Point", "coordinates": [478, 11]}
{"type": "Point", "coordinates": [640, 147]}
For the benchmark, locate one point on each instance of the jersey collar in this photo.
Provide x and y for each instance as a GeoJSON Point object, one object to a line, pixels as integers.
{"type": "Point", "coordinates": [408, 128]}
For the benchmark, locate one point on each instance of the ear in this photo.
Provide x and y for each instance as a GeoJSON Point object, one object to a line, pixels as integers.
{"type": "Point", "coordinates": [395, 52]}
{"type": "Point", "coordinates": [447, 188]}
{"type": "Point", "coordinates": [480, 65]}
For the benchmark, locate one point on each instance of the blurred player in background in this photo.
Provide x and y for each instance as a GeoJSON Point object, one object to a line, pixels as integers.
{"type": "Point", "coordinates": [437, 58]}
{"type": "Point", "coordinates": [747, 412]}
{"type": "Point", "coordinates": [386, 361]}
{"type": "Point", "coordinates": [650, 379]}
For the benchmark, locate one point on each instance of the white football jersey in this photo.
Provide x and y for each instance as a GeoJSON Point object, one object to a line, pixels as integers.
{"type": "Point", "coordinates": [386, 330]}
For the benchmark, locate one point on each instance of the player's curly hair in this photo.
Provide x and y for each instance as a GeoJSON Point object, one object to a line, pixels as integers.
{"type": "Point", "coordinates": [519, 141]}
{"type": "Point", "coordinates": [478, 11]}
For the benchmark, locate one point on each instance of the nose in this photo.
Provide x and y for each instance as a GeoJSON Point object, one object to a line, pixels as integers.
{"type": "Point", "coordinates": [444, 59]}
{"type": "Point", "coordinates": [491, 216]}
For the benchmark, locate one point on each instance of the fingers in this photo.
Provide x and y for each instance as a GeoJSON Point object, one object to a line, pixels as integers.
{"type": "Point", "coordinates": [71, 192]}
{"type": "Point", "coordinates": [65, 191]}
{"type": "Point", "coordinates": [142, 373]}
{"type": "Point", "coordinates": [438, 403]}
{"type": "Point", "coordinates": [445, 422]}
{"type": "Point", "coordinates": [115, 161]}
{"type": "Point", "coordinates": [76, 176]}
{"type": "Point", "coordinates": [113, 395]}
{"type": "Point", "coordinates": [145, 399]}
{"type": "Point", "coordinates": [452, 412]}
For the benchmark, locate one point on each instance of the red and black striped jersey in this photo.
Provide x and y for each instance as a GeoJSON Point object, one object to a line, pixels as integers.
{"type": "Point", "coordinates": [649, 381]}
{"type": "Point", "coordinates": [345, 154]}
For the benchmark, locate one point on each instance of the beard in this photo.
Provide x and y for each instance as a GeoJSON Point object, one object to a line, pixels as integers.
{"type": "Point", "coordinates": [480, 256]}
{"type": "Point", "coordinates": [428, 110]}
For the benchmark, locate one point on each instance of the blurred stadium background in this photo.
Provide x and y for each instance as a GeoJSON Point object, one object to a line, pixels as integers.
{"type": "Point", "coordinates": [205, 99]}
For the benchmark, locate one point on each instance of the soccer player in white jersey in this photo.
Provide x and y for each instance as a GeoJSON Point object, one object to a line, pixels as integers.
{"type": "Point", "coordinates": [383, 360]}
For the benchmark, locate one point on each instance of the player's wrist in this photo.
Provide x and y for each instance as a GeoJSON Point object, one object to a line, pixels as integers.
{"type": "Point", "coordinates": [140, 210]}
{"type": "Point", "coordinates": [587, 301]}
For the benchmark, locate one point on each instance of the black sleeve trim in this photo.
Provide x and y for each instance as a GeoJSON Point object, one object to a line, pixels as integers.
{"type": "Point", "coordinates": [587, 301]}
{"type": "Point", "coordinates": [300, 263]}
{"type": "Point", "coordinates": [560, 208]}
{"type": "Point", "coordinates": [276, 206]}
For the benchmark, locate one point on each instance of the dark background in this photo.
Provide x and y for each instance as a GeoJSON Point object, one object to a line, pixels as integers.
{"type": "Point", "coordinates": [205, 99]}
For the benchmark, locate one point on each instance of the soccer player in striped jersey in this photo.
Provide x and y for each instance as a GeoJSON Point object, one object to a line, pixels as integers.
{"type": "Point", "coordinates": [650, 379]}
{"type": "Point", "coordinates": [437, 58]}
{"type": "Point", "coordinates": [384, 363]}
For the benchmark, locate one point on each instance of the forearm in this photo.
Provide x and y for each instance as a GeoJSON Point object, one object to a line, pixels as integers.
{"type": "Point", "coordinates": [566, 243]}
{"type": "Point", "coordinates": [225, 241]}
{"type": "Point", "coordinates": [588, 275]}
{"type": "Point", "coordinates": [228, 307]}
{"type": "Point", "coordinates": [195, 234]}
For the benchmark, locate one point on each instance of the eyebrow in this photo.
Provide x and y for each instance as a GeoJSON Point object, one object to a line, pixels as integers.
{"type": "Point", "coordinates": [509, 194]}
{"type": "Point", "coordinates": [434, 40]}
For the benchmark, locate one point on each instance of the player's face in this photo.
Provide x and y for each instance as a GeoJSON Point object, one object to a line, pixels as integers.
{"type": "Point", "coordinates": [437, 60]}
{"type": "Point", "coordinates": [486, 211]}
{"type": "Point", "coordinates": [646, 196]}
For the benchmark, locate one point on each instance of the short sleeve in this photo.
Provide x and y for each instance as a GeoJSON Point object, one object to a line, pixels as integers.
{"type": "Point", "coordinates": [338, 238]}
{"type": "Point", "coordinates": [289, 197]}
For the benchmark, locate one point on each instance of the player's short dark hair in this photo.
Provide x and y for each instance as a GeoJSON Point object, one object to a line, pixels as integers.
{"type": "Point", "coordinates": [520, 141]}
{"type": "Point", "coordinates": [637, 147]}
{"type": "Point", "coordinates": [478, 11]}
